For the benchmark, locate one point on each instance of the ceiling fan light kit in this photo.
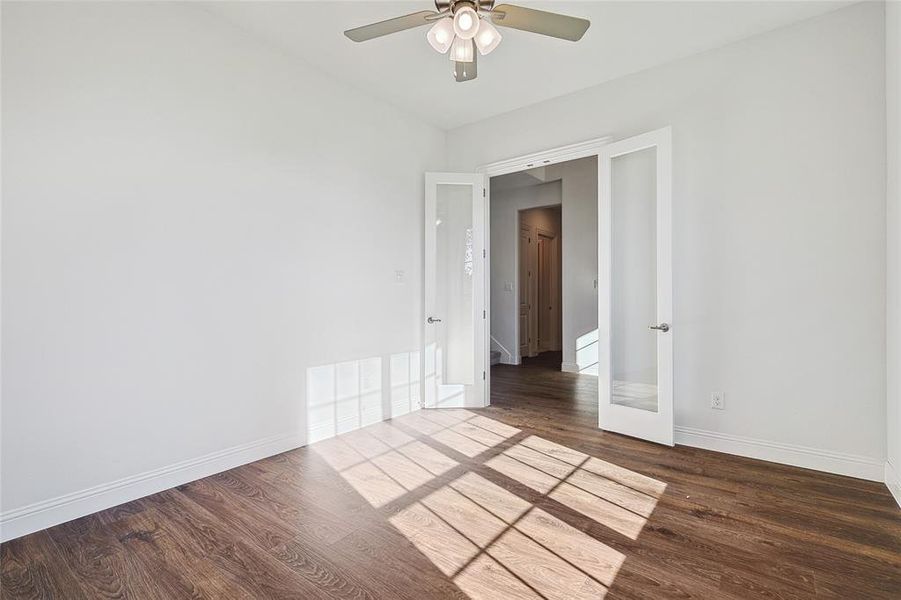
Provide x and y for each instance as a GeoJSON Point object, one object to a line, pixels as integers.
{"type": "Point", "coordinates": [463, 25]}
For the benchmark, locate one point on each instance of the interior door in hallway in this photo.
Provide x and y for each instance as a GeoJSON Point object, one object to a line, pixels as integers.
{"type": "Point", "coordinates": [525, 290]}
{"type": "Point", "coordinates": [527, 334]}
{"type": "Point", "coordinates": [548, 292]}
{"type": "Point", "coordinates": [454, 336]}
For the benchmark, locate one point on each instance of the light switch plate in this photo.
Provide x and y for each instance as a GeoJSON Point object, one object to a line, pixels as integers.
{"type": "Point", "coordinates": [508, 286]}
{"type": "Point", "coordinates": [398, 276]}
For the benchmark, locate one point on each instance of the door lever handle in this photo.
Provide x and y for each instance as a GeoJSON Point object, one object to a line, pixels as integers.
{"type": "Point", "coordinates": [433, 320]}
{"type": "Point", "coordinates": [664, 327]}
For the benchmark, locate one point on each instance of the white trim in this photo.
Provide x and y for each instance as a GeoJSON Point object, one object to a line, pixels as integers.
{"type": "Point", "coordinates": [41, 515]}
{"type": "Point", "coordinates": [839, 463]}
{"type": "Point", "coordinates": [569, 367]}
{"type": "Point", "coordinates": [486, 286]}
{"type": "Point", "coordinates": [893, 481]}
{"type": "Point", "coordinates": [545, 158]}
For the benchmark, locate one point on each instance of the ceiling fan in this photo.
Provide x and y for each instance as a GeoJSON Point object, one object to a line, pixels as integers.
{"type": "Point", "coordinates": [463, 25]}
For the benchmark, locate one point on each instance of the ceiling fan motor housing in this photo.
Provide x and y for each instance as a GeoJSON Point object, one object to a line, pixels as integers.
{"type": "Point", "coordinates": [479, 5]}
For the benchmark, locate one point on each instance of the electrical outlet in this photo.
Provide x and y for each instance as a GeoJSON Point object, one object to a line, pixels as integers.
{"type": "Point", "coordinates": [718, 400]}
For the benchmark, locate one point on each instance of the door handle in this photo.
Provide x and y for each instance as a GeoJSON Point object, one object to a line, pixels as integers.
{"type": "Point", "coordinates": [433, 320]}
{"type": "Point", "coordinates": [664, 327]}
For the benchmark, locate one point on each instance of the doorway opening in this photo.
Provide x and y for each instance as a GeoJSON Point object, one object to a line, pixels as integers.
{"type": "Point", "coordinates": [619, 248]}
{"type": "Point", "coordinates": [540, 287]}
{"type": "Point", "coordinates": [543, 272]}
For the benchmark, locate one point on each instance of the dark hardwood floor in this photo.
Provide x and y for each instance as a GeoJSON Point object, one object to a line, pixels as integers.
{"type": "Point", "coordinates": [524, 499]}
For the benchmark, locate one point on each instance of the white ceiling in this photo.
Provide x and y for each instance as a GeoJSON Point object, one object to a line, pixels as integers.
{"type": "Point", "coordinates": [519, 179]}
{"type": "Point", "coordinates": [624, 37]}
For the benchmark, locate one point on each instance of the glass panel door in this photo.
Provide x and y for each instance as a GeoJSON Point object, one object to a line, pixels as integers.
{"type": "Point", "coordinates": [454, 334]}
{"type": "Point", "coordinates": [635, 288]}
{"type": "Point", "coordinates": [634, 277]}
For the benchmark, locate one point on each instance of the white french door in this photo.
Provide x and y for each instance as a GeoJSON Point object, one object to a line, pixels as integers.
{"type": "Point", "coordinates": [454, 335]}
{"type": "Point", "coordinates": [635, 306]}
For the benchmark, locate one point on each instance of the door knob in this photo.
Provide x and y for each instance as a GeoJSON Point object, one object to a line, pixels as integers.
{"type": "Point", "coordinates": [433, 320]}
{"type": "Point", "coordinates": [664, 327]}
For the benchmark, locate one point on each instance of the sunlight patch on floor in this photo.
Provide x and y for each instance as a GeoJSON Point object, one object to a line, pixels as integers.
{"type": "Point", "coordinates": [490, 540]}
{"type": "Point", "coordinates": [609, 502]}
{"type": "Point", "coordinates": [546, 557]}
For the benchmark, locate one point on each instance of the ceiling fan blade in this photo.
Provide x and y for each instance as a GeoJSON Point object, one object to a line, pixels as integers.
{"type": "Point", "coordinates": [539, 21]}
{"type": "Point", "coordinates": [374, 30]}
{"type": "Point", "coordinates": [466, 71]}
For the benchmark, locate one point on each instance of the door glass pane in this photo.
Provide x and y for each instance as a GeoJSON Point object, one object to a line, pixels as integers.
{"type": "Point", "coordinates": [633, 344]}
{"type": "Point", "coordinates": [453, 288]}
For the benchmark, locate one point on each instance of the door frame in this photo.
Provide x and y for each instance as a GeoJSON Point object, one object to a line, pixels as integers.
{"type": "Point", "coordinates": [516, 164]}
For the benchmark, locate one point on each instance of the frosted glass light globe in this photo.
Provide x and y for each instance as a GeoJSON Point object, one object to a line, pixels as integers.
{"type": "Point", "coordinates": [462, 51]}
{"type": "Point", "coordinates": [441, 35]}
{"type": "Point", "coordinates": [488, 38]}
{"type": "Point", "coordinates": [466, 22]}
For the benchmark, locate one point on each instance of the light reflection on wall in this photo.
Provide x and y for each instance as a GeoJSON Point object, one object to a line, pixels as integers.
{"type": "Point", "coordinates": [346, 396]}
{"type": "Point", "coordinates": [587, 353]}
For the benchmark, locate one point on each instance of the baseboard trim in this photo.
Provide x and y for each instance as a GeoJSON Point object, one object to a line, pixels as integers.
{"type": "Point", "coordinates": [852, 465]}
{"type": "Point", "coordinates": [893, 481]}
{"type": "Point", "coordinates": [569, 367]}
{"type": "Point", "coordinates": [41, 515]}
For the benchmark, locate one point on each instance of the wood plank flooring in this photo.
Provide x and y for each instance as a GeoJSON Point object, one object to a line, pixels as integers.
{"type": "Point", "coordinates": [524, 499]}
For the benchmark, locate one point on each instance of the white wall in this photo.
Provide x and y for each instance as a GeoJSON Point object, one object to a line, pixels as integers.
{"type": "Point", "coordinates": [504, 208]}
{"type": "Point", "coordinates": [893, 201]}
{"type": "Point", "coordinates": [190, 223]}
{"type": "Point", "coordinates": [779, 230]}
{"type": "Point", "coordinates": [580, 262]}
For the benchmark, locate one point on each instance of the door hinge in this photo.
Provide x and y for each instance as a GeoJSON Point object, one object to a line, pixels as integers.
{"type": "Point", "coordinates": [483, 375]}
{"type": "Point", "coordinates": [484, 192]}
{"type": "Point", "coordinates": [484, 314]}
{"type": "Point", "coordinates": [483, 253]}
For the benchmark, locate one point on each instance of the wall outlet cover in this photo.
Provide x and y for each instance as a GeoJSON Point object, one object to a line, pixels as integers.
{"type": "Point", "coordinates": [718, 400]}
